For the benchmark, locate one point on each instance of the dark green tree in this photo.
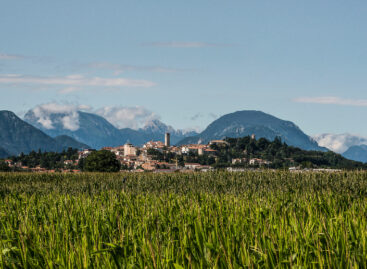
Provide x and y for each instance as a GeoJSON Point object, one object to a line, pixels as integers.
{"type": "Point", "coordinates": [102, 161]}
{"type": "Point", "coordinates": [81, 164]}
{"type": "Point", "coordinates": [4, 167]}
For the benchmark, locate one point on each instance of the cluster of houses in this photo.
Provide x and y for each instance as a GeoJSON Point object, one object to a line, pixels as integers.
{"type": "Point", "coordinates": [140, 159]}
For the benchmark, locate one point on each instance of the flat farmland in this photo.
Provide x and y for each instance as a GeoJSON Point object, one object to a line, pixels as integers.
{"type": "Point", "coordinates": [197, 220]}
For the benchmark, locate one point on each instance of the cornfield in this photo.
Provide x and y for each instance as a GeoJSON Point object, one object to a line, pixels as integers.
{"type": "Point", "coordinates": [197, 220]}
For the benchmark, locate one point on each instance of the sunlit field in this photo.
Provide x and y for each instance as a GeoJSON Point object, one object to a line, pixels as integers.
{"type": "Point", "coordinates": [196, 220]}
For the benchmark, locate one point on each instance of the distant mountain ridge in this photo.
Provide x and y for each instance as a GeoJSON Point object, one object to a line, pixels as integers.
{"type": "Point", "coordinates": [97, 132]}
{"type": "Point", "coordinates": [18, 136]}
{"type": "Point", "coordinates": [68, 142]}
{"type": "Point", "coordinates": [248, 122]}
{"type": "Point", "coordinates": [155, 130]}
{"type": "Point", "coordinates": [339, 143]}
{"type": "Point", "coordinates": [356, 153]}
{"type": "Point", "coordinates": [350, 146]}
{"type": "Point", "coordinates": [92, 129]}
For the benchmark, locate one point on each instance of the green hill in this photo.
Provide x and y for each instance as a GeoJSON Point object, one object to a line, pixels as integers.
{"type": "Point", "coordinates": [279, 154]}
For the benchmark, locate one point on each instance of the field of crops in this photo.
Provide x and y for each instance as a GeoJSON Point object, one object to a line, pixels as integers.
{"type": "Point", "coordinates": [197, 220]}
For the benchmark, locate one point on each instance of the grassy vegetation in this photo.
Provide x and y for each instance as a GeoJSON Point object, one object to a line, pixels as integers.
{"type": "Point", "coordinates": [197, 220]}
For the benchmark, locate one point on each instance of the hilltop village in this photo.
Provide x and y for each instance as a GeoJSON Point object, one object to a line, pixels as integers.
{"type": "Point", "coordinates": [232, 154]}
{"type": "Point", "coordinates": [163, 157]}
{"type": "Point", "coordinates": [155, 156]}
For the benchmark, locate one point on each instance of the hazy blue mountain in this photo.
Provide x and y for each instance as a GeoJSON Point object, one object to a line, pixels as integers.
{"type": "Point", "coordinates": [134, 137]}
{"type": "Point", "coordinates": [155, 130]}
{"type": "Point", "coordinates": [97, 132]}
{"type": "Point", "coordinates": [18, 136]}
{"type": "Point", "coordinates": [339, 143]}
{"type": "Point", "coordinates": [91, 129]}
{"type": "Point", "coordinates": [357, 153]}
{"type": "Point", "coordinates": [248, 122]}
{"type": "Point", "coordinates": [68, 142]}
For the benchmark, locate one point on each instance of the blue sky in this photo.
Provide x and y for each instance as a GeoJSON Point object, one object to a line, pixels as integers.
{"type": "Point", "coordinates": [188, 62]}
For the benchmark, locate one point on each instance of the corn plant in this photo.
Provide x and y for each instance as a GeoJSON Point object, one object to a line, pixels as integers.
{"type": "Point", "coordinates": [261, 219]}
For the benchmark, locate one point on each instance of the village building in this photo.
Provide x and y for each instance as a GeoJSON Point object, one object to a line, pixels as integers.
{"type": "Point", "coordinates": [9, 162]}
{"type": "Point", "coordinates": [256, 161]}
{"type": "Point", "coordinates": [38, 169]}
{"type": "Point", "coordinates": [154, 145]}
{"type": "Point", "coordinates": [84, 153]}
{"type": "Point", "coordinates": [193, 148]}
{"type": "Point", "coordinates": [129, 150]}
{"type": "Point", "coordinates": [68, 162]}
{"type": "Point", "coordinates": [218, 142]}
{"type": "Point", "coordinates": [149, 166]}
{"type": "Point", "coordinates": [239, 161]}
{"type": "Point", "coordinates": [210, 152]}
{"type": "Point", "coordinates": [192, 166]}
{"type": "Point", "coordinates": [175, 150]}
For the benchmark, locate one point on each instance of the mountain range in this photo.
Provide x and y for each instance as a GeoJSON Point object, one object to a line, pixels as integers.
{"type": "Point", "coordinates": [356, 153]}
{"type": "Point", "coordinates": [350, 146]}
{"type": "Point", "coordinates": [339, 142]}
{"type": "Point", "coordinates": [17, 136]}
{"type": "Point", "coordinates": [97, 132]}
{"type": "Point", "coordinates": [80, 129]}
{"type": "Point", "coordinates": [87, 128]}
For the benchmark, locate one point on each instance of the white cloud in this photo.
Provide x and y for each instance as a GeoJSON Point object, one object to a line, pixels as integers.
{"type": "Point", "coordinates": [52, 115]}
{"type": "Point", "coordinates": [48, 115]}
{"type": "Point", "coordinates": [339, 142]}
{"type": "Point", "coordinates": [71, 122]}
{"type": "Point", "coordinates": [202, 115]}
{"type": "Point", "coordinates": [75, 80]}
{"type": "Point", "coordinates": [46, 122]}
{"type": "Point", "coordinates": [4, 56]}
{"type": "Point", "coordinates": [331, 100]}
{"type": "Point", "coordinates": [84, 107]}
{"type": "Point", "coordinates": [121, 68]}
{"type": "Point", "coordinates": [185, 44]}
{"type": "Point", "coordinates": [55, 115]}
{"type": "Point", "coordinates": [196, 129]}
{"type": "Point", "coordinates": [197, 116]}
{"type": "Point", "coordinates": [69, 90]}
{"type": "Point", "coordinates": [127, 117]}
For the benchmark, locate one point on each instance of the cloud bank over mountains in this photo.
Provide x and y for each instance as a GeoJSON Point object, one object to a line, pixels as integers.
{"type": "Point", "coordinates": [69, 118]}
{"type": "Point", "coordinates": [127, 117]}
{"type": "Point", "coordinates": [66, 115]}
{"type": "Point", "coordinates": [53, 116]}
{"type": "Point", "coordinates": [339, 142]}
{"type": "Point", "coordinates": [106, 126]}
